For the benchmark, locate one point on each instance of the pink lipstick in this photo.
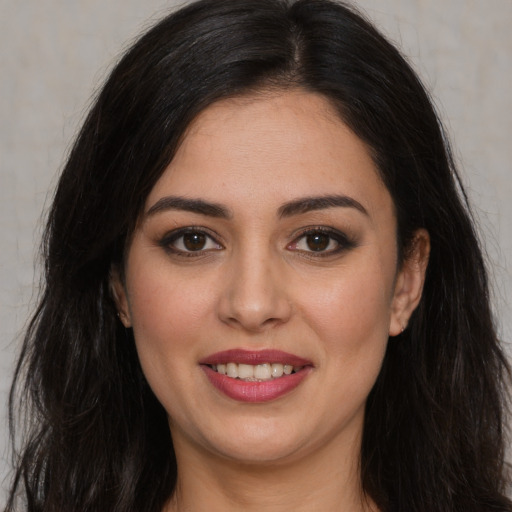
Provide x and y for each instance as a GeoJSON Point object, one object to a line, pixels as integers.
{"type": "Point", "coordinates": [255, 376]}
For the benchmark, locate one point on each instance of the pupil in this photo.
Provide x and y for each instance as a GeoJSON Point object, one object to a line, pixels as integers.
{"type": "Point", "coordinates": [194, 241]}
{"type": "Point", "coordinates": [318, 242]}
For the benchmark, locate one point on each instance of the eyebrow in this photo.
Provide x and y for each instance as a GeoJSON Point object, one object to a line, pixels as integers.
{"type": "Point", "coordinates": [308, 204]}
{"type": "Point", "coordinates": [295, 207]}
{"type": "Point", "coordinates": [190, 205]}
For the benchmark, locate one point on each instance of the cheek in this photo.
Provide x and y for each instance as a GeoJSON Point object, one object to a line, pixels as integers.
{"type": "Point", "coordinates": [353, 322]}
{"type": "Point", "coordinates": [351, 301]}
{"type": "Point", "coordinates": [166, 313]}
{"type": "Point", "coordinates": [350, 314]}
{"type": "Point", "coordinates": [166, 310]}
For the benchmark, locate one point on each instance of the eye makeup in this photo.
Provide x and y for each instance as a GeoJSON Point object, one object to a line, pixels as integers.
{"type": "Point", "coordinates": [190, 241]}
{"type": "Point", "coordinates": [321, 241]}
{"type": "Point", "coordinates": [311, 241]}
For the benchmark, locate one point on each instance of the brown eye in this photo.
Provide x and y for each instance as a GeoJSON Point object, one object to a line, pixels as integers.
{"type": "Point", "coordinates": [318, 241]}
{"type": "Point", "coordinates": [194, 241]}
{"type": "Point", "coordinates": [190, 242]}
{"type": "Point", "coordinates": [321, 242]}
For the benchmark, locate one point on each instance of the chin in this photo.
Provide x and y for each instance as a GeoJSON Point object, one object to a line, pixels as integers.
{"type": "Point", "coordinates": [253, 452]}
{"type": "Point", "coordinates": [260, 441]}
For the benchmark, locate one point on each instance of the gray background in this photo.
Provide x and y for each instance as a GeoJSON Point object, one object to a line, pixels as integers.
{"type": "Point", "coordinates": [55, 53]}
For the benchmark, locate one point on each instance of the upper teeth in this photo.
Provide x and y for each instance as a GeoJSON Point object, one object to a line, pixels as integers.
{"type": "Point", "coordinates": [265, 371]}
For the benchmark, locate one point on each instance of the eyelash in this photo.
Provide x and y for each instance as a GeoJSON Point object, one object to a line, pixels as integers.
{"type": "Point", "coordinates": [170, 239]}
{"type": "Point", "coordinates": [343, 242]}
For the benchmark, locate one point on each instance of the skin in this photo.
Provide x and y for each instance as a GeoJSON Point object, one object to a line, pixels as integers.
{"type": "Point", "coordinates": [256, 284]}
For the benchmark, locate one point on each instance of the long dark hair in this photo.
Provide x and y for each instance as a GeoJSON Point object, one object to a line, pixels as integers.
{"type": "Point", "coordinates": [95, 437]}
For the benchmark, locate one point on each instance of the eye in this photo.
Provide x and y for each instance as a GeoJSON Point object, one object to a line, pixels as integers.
{"type": "Point", "coordinates": [321, 241]}
{"type": "Point", "coordinates": [188, 241]}
{"type": "Point", "coordinates": [316, 242]}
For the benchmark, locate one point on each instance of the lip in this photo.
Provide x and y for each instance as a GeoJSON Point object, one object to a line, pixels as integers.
{"type": "Point", "coordinates": [255, 357]}
{"type": "Point", "coordinates": [255, 392]}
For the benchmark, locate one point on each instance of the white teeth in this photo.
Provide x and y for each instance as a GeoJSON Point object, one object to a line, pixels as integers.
{"type": "Point", "coordinates": [232, 370]}
{"type": "Point", "coordinates": [277, 370]}
{"type": "Point", "coordinates": [245, 371]}
{"type": "Point", "coordinates": [259, 372]}
{"type": "Point", "coordinates": [262, 372]}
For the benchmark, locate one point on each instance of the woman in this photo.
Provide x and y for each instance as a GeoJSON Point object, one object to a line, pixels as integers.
{"type": "Point", "coordinates": [263, 285]}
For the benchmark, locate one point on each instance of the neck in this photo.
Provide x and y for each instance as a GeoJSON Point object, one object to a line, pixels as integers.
{"type": "Point", "coordinates": [326, 479]}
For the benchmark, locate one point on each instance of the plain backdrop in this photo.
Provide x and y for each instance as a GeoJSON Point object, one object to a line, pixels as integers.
{"type": "Point", "coordinates": [55, 53]}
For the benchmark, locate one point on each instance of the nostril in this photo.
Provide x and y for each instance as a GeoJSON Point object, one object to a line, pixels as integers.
{"type": "Point", "coordinates": [254, 298]}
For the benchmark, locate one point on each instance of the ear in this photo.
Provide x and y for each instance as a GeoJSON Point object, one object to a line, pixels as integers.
{"type": "Point", "coordinates": [118, 292]}
{"type": "Point", "coordinates": [409, 282]}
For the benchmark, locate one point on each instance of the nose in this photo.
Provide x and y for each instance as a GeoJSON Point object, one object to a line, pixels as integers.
{"type": "Point", "coordinates": [254, 296]}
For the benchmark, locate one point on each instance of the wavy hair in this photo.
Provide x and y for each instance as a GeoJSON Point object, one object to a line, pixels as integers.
{"type": "Point", "coordinates": [94, 437]}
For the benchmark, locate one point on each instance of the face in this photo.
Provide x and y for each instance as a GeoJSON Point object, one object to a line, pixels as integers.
{"type": "Point", "coordinates": [268, 246]}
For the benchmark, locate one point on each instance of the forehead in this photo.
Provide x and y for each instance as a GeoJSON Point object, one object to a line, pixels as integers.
{"type": "Point", "coordinates": [271, 147]}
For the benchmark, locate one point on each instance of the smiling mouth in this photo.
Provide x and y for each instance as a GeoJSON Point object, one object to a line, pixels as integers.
{"type": "Point", "coordinates": [255, 376]}
{"type": "Point", "coordinates": [255, 373]}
